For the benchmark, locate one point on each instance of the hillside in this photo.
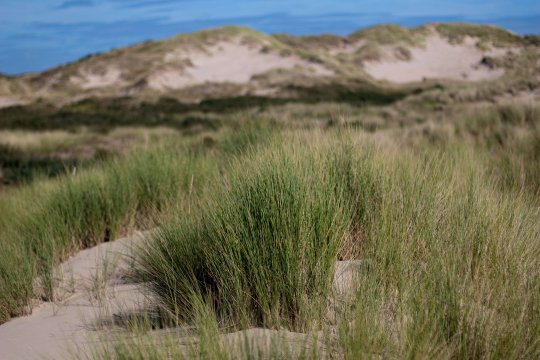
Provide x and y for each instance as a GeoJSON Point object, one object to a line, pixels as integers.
{"type": "Point", "coordinates": [236, 61]}
{"type": "Point", "coordinates": [234, 195]}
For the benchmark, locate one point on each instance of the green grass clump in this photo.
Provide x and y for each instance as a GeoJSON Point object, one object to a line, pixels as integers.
{"type": "Point", "coordinates": [247, 135]}
{"type": "Point", "coordinates": [313, 42]}
{"type": "Point", "coordinates": [451, 260]}
{"type": "Point", "coordinates": [386, 34]}
{"type": "Point", "coordinates": [511, 136]}
{"type": "Point", "coordinates": [50, 221]}
{"type": "Point", "coordinates": [486, 33]}
{"type": "Point", "coordinates": [45, 222]}
{"type": "Point", "coordinates": [454, 266]}
{"type": "Point", "coordinates": [262, 251]}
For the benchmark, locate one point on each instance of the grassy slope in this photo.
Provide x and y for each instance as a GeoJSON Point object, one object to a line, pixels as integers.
{"type": "Point", "coordinates": [456, 32]}
{"type": "Point", "coordinates": [453, 261]}
{"type": "Point", "coordinates": [452, 248]}
{"type": "Point", "coordinates": [44, 223]}
{"type": "Point", "coordinates": [49, 221]}
{"type": "Point", "coordinates": [454, 207]}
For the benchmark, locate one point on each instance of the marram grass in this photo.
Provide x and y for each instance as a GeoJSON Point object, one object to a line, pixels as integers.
{"type": "Point", "coordinates": [453, 258]}
{"type": "Point", "coordinates": [49, 221]}
{"type": "Point", "coordinates": [261, 248]}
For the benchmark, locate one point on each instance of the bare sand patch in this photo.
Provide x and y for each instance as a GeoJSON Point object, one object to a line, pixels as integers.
{"type": "Point", "coordinates": [90, 288]}
{"type": "Point", "coordinates": [227, 62]}
{"type": "Point", "coordinates": [92, 293]}
{"type": "Point", "coordinates": [7, 102]}
{"type": "Point", "coordinates": [437, 59]}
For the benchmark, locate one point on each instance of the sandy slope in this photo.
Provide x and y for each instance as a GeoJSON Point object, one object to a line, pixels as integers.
{"type": "Point", "coordinates": [53, 328]}
{"type": "Point", "coordinates": [111, 77]}
{"type": "Point", "coordinates": [233, 61]}
{"type": "Point", "coordinates": [79, 317]}
{"type": "Point", "coordinates": [438, 59]}
{"type": "Point", "coordinates": [240, 61]}
{"type": "Point", "coordinates": [226, 62]}
{"type": "Point", "coordinates": [5, 102]}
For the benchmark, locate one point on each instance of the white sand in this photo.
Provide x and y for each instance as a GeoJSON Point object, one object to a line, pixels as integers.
{"type": "Point", "coordinates": [438, 59]}
{"type": "Point", "coordinates": [227, 62]}
{"type": "Point", "coordinates": [56, 330]}
{"type": "Point", "coordinates": [6, 102]}
{"type": "Point", "coordinates": [53, 328]}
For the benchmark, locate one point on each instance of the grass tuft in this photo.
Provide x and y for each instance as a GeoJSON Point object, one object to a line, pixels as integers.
{"type": "Point", "coordinates": [262, 250]}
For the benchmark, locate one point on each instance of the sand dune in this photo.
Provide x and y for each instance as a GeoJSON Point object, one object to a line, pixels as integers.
{"type": "Point", "coordinates": [438, 59]}
{"type": "Point", "coordinates": [227, 62]}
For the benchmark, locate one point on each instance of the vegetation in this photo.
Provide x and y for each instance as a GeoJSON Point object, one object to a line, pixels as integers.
{"type": "Point", "coordinates": [487, 34]}
{"type": "Point", "coordinates": [389, 34]}
{"type": "Point", "coordinates": [442, 228]}
{"type": "Point", "coordinates": [49, 221]}
{"type": "Point", "coordinates": [430, 194]}
{"type": "Point", "coordinates": [106, 114]}
{"type": "Point", "coordinates": [26, 155]}
{"type": "Point", "coordinates": [272, 268]}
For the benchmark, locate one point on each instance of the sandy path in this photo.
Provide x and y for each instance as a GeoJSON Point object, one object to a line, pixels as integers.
{"type": "Point", "coordinates": [437, 60]}
{"type": "Point", "coordinates": [53, 328]}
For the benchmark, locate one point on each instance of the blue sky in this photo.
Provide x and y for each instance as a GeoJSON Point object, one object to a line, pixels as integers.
{"type": "Point", "coordinates": [38, 34]}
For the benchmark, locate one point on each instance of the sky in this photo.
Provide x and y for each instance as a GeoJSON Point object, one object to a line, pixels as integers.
{"type": "Point", "coordinates": [40, 34]}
